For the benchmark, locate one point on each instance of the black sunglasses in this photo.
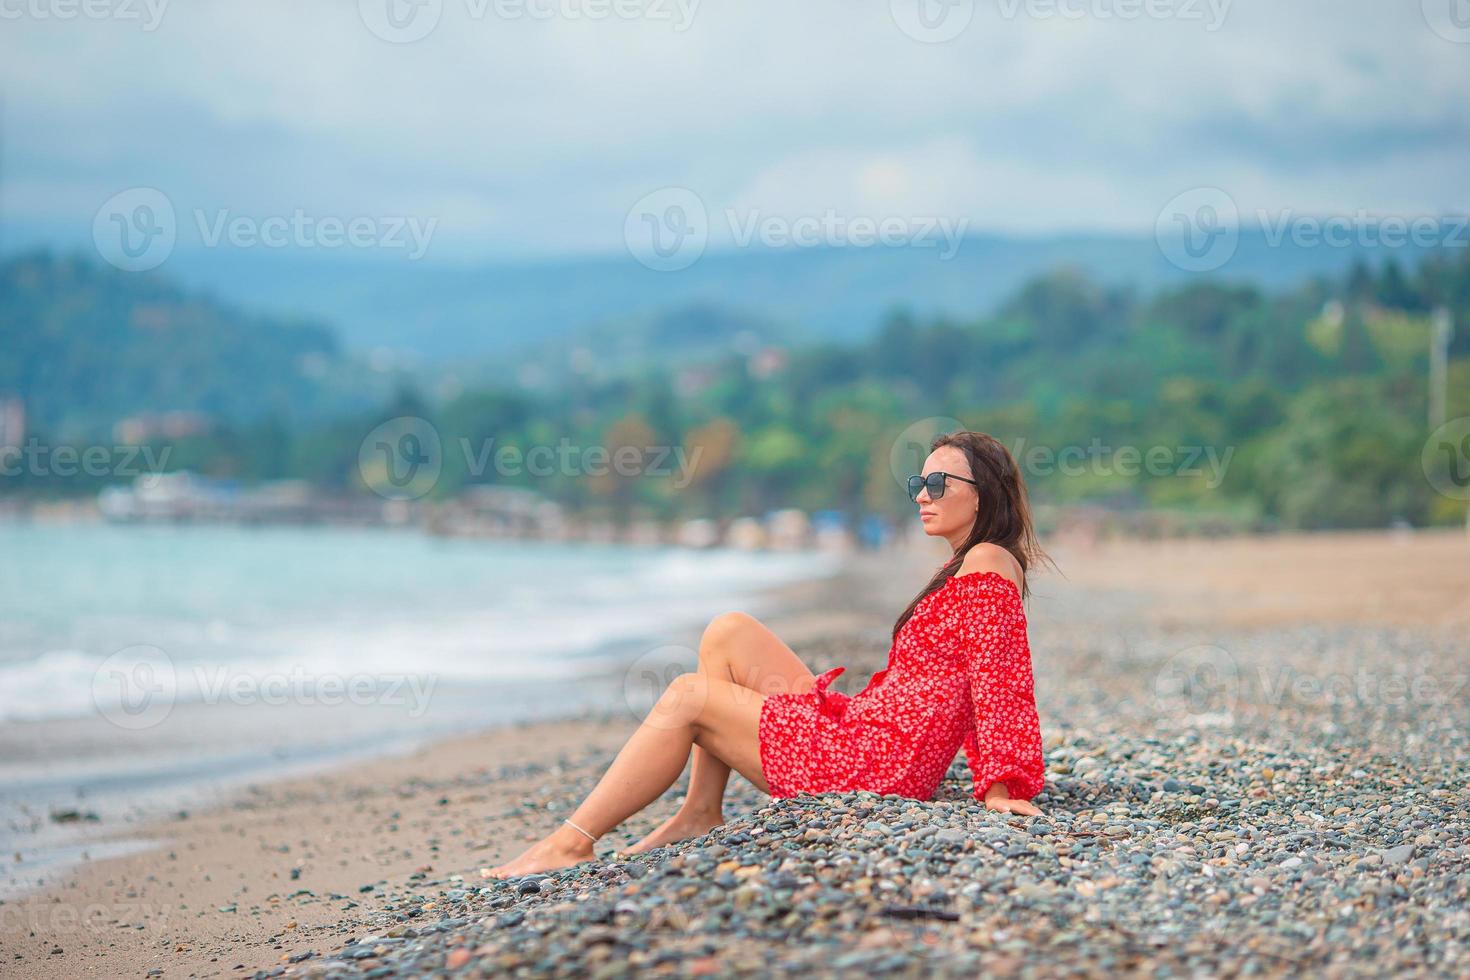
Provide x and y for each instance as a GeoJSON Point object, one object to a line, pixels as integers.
{"type": "Point", "coordinates": [935, 483]}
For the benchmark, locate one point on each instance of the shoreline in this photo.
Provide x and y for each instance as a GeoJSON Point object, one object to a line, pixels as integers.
{"type": "Point", "coordinates": [444, 783]}
{"type": "Point", "coordinates": [299, 866]}
{"type": "Point", "coordinates": [71, 781]}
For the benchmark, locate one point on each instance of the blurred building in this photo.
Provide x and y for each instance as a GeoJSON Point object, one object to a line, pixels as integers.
{"type": "Point", "coordinates": [788, 529]}
{"type": "Point", "coordinates": [138, 429]}
{"type": "Point", "coordinates": [499, 512]}
{"type": "Point", "coordinates": [745, 534]}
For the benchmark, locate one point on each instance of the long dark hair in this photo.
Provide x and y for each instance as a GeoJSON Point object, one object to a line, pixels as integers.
{"type": "Point", "coordinates": [1004, 517]}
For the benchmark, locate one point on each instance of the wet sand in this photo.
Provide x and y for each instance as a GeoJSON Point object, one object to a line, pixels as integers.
{"type": "Point", "coordinates": [300, 866]}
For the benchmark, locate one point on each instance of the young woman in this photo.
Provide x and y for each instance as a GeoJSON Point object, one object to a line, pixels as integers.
{"type": "Point", "coordinates": [958, 674]}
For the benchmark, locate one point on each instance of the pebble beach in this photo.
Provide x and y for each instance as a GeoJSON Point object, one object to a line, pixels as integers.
{"type": "Point", "coordinates": [1232, 790]}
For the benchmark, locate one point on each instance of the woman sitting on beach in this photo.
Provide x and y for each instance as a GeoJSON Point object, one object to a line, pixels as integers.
{"type": "Point", "coordinates": [958, 674]}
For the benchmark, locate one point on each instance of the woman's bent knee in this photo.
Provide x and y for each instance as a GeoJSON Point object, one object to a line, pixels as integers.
{"type": "Point", "coordinates": [725, 627]}
{"type": "Point", "coordinates": [682, 702]}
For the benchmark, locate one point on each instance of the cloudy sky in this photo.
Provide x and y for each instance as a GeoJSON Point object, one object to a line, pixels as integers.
{"type": "Point", "coordinates": [528, 128]}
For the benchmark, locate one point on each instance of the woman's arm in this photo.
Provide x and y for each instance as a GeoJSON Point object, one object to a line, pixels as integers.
{"type": "Point", "coordinates": [1003, 745]}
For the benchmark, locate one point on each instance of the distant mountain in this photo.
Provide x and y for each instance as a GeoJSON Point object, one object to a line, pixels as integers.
{"type": "Point", "coordinates": [85, 346]}
{"type": "Point", "coordinates": [444, 312]}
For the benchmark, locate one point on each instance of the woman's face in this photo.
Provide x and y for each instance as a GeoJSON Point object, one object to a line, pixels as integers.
{"type": "Point", "coordinates": [952, 515]}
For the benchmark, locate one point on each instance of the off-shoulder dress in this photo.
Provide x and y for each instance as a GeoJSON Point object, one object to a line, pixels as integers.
{"type": "Point", "coordinates": [958, 674]}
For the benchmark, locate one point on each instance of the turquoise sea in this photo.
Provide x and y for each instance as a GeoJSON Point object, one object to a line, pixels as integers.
{"type": "Point", "coordinates": [143, 668]}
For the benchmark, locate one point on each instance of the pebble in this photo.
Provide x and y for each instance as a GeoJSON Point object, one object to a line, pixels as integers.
{"type": "Point", "coordinates": [1282, 837]}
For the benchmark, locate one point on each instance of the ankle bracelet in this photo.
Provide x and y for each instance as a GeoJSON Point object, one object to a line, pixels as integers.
{"type": "Point", "coordinates": [587, 835]}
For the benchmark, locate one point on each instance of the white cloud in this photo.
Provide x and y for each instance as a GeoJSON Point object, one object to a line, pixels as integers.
{"type": "Point", "coordinates": [531, 135]}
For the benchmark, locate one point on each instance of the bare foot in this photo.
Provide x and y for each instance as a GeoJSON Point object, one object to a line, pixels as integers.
{"type": "Point", "coordinates": [679, 827]}
{"type": "Point", "coordinates": [548, 854]}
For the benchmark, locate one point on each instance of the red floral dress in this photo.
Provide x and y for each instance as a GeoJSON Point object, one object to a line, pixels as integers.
{"type": "Point", "coordinates": [959, 673]}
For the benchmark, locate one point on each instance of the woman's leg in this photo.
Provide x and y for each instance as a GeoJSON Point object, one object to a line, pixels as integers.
{"type": "Point", "coordinates": [739, 648]}
{"type": "Point", "coordinates": [717, 715]}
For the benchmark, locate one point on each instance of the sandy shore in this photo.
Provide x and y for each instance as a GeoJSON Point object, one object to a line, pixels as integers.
{"type": "Point", "coordinates": [1406, 578]}
{"type": "Point", "coordinates": [297, 868]}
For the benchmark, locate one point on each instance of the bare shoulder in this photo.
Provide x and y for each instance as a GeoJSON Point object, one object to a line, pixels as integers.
{"type": "Point", "coordinates": [988, 557]}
